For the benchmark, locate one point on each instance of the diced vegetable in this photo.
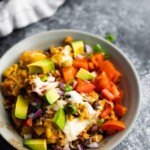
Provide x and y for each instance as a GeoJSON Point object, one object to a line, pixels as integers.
{"type": "Point", "coordinates": [102, 82]}
{"type": "Point", "coordinates": [120, 110]}
{"type": "Point", "coordinates": [114, 90]}
{"type": "Point", "coordinates": [81, 63]}
{"type": "Point", "coordinates": [59, 118]}
{"type": "Point", "coordinates": [84, 74]}
{"type": "Point", "coordinates": [42, 66]}
{"type": "Point", "coordinates": [70, 109]}
{"type": "Point", "coordinates": [44, 78]}
{"type": "Point", "coordinates": [100, 121]}
{"type": "Point", "coordinates": [106, 93]}
{"type": "Point", "coordinates": [106, 111]}
{"type": "Point", "coordinates": [96, 59]}
{"type": "Point", "coordinates": [121, 96]}
{"type": "Point", "coordinates": [21, 107]}
{"type": "Point", "coordinates": [84, 86]}
{"type": "Point", "coordinates": [69, 73]}
{"type": "Point", "coordinates": [78, 47]}
{"type": "Point", "coordinates": [36, 144]}
{"type": "Point", "coordinates": [29, 122]}
{"type": "Point", "coordinates": [51, 96]}
{"type": "Point", "coordinates": [111, 126]}
{"type": "Point", "coordinates": [68, 88]}
{"type": "Point", "coordinates": [99, 49]}
{"type": "Point", "coordinates": [110, 70]}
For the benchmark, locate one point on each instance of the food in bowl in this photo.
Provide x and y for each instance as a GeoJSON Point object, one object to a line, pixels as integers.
{"type": "Point", "coordinates": [65, 97]}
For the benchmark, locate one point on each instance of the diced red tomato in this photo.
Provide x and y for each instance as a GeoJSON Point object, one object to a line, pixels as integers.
{"type": "Point", "coordinates": [84, 86]}
{"type": "Point", "coordinates": [121, 96]}
{"type": "Point", "coordinates": [102, 82]}
{"type": "Point", "coordinates": [108, 95]}
{"type": "Point", "coordinates": [120, 110]}
{"type": "Point", "coordinates": [96, 59]}
{"type": "Point", "coordinates": [29, 122]}
{"type": "Point", "coordinates": [69, 73]}
{"type": "Point", "coordinates": [112, 126]}
{"type": "Point", "coordinates": [114, 90]}
{"type": "Point", "coordinates": [110, 70]}
{"type": "Point", "coordinates": [81, 63]}
{"type": "Point", "coordinates": [106, 111]}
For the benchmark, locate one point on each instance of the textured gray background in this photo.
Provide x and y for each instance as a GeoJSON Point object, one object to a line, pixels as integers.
{"type": "Point", "coordinates": [129, 21]}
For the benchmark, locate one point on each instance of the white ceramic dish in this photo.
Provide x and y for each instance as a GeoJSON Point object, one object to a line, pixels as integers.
{"type": "Point", "coordinates": [129, 81]}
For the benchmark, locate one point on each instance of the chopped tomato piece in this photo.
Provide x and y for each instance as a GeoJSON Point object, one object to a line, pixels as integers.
{"type": "Point", "coordinates": [114, 90]}
{"type": "Point", "coordinates": [110, 70]}
{"type": "Point", "coordinates": [102, 82]}
{"type": "Point", "coordinates": [84, 86]}
{"type": "Point", "coordinates": [29, 122]}
{"type": "Point", "coordinates": [91, 66]}
{"type": "Point", "coordinates": [96, 59]}
{"type": "Point", "coordinates": [108, 95]}
{"type": "Point", "coordinates": [120, 110]}
{"type": "Point", "coordinates": [69, 73]}
{"type": "Point", "coordinates": [121, 96]}
{"type": "Point", "coordinates": [81, 63]}
{"type": "Point", "coordinates": [112, 126]}
{"type": "Point", "coordinates": [106, 111]}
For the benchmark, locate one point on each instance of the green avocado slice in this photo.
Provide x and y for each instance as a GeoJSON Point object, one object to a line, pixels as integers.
{"type": "Point", "coordinates": [36, 144]}
{"type": "Point", "coordinates": [42, 66]}
{"type": "Point", "coordinates": [21, 108]}
{"type": "Point", "coordinates": [60, 119]}
{"type": "Point", "coordinates": [78, 47]}
{"type": "Point", "coordinates": [84, 74]}
{"type": "Point", "coordinates": [51, 96]}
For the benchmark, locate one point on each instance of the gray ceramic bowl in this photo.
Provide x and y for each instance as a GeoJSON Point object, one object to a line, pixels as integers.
{"type": "Point", "coordinates": [129, 81]}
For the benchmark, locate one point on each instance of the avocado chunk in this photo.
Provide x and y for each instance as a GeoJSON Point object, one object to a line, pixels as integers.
{"type": "Point", "coordinates": [51, 96]}
{"type": "Point", "coordinates": [21, 108]}
{"type": "Point", "coordinates": [42, 66]}
{"type": "Point", "coordinates": [36, 144]}
{"type": "Point", "coordinates": [78, 47]}
{"type": "Point", "coordinates": [59, 119]}
{"type": "Point", "coordinates": [84, 74]}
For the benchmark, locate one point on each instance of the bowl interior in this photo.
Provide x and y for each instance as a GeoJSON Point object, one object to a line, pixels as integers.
{"type": "Point", "coordinates": [129, 81]}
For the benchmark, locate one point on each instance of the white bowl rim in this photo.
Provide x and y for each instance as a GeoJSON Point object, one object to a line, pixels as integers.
{"type": "Point", "coordinates": [108, 43]}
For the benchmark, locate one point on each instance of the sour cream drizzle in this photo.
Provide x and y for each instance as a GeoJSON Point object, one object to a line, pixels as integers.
{"type": "Point", "coordinates": [74, 127]}
{"type": "Point", "coordinates": [40, 85]}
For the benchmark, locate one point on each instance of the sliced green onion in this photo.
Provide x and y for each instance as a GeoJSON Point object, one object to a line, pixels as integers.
{"type": "Point", "coordinates": [70, 109]}
{"type": "Point", "coordinates": [100, 121]}
{"type": "Point", "coordinates": [89, 55]}
{"type": "Point", "coordinates": [99, 49]}
{"type": "Point", "coordinates": [44, 78]}
{"type": "Point", "coordinates": [110, 37]}
{"type": "Point", "coordinates": [68, 88]}
{"type": "Point", "coordinates": [70, 81]}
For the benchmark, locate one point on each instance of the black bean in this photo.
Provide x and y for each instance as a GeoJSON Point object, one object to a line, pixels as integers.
{"type": "Point", "coordinates": [96, 104]}
{"type": "Point", "coordinates": [23, 91]}
{"type": "Point", "coordinates": [67, 96]}
{"type": "Point", "coordinates": [93, 130]}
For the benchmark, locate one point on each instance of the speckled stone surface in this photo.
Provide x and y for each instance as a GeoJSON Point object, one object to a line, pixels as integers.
{"type": "Point", "coordinates": [129, 21]}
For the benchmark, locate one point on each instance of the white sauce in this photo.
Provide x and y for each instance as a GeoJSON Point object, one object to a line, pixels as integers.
{"type": "Point", "coordinates": [66, 56]}
{"type": "Point", "coordinates": [74, 127]}
{"type": "Point", "coordinates": [58, 104]}
{"type": "Point", "coordinates": [40, 85]}
{"type": "Point", "coordinates": [77, 98]}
